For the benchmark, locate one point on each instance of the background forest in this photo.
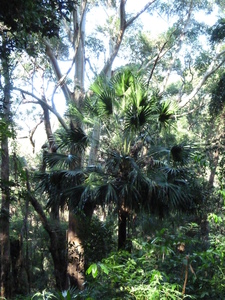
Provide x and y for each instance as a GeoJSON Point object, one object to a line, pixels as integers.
{"type": "Point", "coordinates": [112, 131]}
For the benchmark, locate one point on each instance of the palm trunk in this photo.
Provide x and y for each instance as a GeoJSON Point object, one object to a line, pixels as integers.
{"type": "Point", "coordinates": [122, 229]}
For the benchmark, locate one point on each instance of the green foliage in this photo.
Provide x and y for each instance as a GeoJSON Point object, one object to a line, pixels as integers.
{"type": "Point", "coordinates": [73, 138]}
{"type": "Point", "coordinates": [131, 276]}
{"type": "Point", "coordinates": [34, 16]}
{"type": "Point", "coordinates": [156, 269]}
{"type": "Point", "coordinates": [218, 31]}
{"type": "Point", "coordinates": [217, 102]}
{"type": "Point", "coordinates": [43, 295]}
{"type": "Point", "coordinates": [6, 130]}
{"type": "Point", "coordinates": [98, 239]}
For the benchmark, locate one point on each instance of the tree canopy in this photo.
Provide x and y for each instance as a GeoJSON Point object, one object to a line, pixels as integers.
{"type": "Point", "coordinates": [112, 149]}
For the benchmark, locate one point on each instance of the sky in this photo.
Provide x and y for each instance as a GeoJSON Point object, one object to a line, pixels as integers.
{"type": "Point", "coordinates": [155, 24]}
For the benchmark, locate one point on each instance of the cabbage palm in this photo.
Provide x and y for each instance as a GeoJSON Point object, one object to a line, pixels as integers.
{"type": "Point", "coordinates": [126, 176]}
{"type": "Point", "coordinates": [125, 183]}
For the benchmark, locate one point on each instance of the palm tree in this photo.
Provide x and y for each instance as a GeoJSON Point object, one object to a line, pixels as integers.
{"type": "Point", "coordinates": [127, 174]}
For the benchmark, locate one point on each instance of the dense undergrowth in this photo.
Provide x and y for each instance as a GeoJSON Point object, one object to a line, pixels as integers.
{"type": "Point", "coordinates": [176, 262]}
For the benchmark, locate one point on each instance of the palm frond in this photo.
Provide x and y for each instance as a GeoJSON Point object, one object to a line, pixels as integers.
{"type": "Point", "coordinates": [113, 162]}
{"type": "Point", "coordinates": [100, 85]}
{"type": "Point", "coordinates": [174, 172]}
{"type": "Point", "coordinates": [130, 194]}
{"type": "Point", "coordinates": [137, 118]}
{"type": "Point", "coordinates": [59, 160]}
{"type": "Point", "coordinates": [42, 182]}
{"type": "Point", "coordinates": [122, 81]}
{"type": "Point", "coordinates": [90, 107]}
{"type": "Point", "coordinates": [75, 113]}
{"type": "Point", "coordinates": [175, 195]}
{"type": "Point", "coordinates": [105, 103]}
{"type": "Point", "coordinates": [180, 154]}
{"type": "Point", "coordinates": [51, 185]}
{"type": "Point", "coordinates": [107, 193]}
{"type": "Point", "coordinates": [165, 113]}
{"type": "Point", "coordinates": [75, 177]}
{"type": "Point", "coordinates": [73, 139]}
{"type": "Point", "coordinates": [73, 195]}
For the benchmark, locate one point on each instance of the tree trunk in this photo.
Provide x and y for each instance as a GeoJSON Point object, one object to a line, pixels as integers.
{"type": "Point", "coordinates": [122, 229]}
{"type": "Point", "coordinates": [24, 235]}
{"type": "Point", "coordinates": [93, 155]}
{"type": "Point", "coordinates": [75, 267]}
{"type": "Point", "coordinates": [59, 257]}
{"type": "Point", "coordinates": [16, 253]}
{"type": "Point", "coordinates": [215, 161]}
{"type": "Point", "coordinates": [75, 252]}
{"type": "Point", "coordinates": [58, 245]}
{"type": "Point", "coordinates": [5, 205]}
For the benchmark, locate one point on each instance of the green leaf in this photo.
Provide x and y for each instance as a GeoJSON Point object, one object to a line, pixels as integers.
{"type": "Point", "coordinates": [104, 268]}
{"type": "Point", "coordinates": [93, 269]}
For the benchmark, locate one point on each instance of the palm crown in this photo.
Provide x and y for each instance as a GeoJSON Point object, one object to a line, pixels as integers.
{"type": "Point", "coordinates": [128, 175]}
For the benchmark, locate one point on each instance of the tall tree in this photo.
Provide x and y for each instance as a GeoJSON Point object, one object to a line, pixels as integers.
{"type": "Point", "coordinates": [5, 183]}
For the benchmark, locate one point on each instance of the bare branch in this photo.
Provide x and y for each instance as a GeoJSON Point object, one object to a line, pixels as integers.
{"type": "Point", "coordinates": [213, 67]}
{"type": "Point", "coordinates": [32, 133]}
{"type": "Point", "coordinates": [38, 208]}
{"type": "Point", "coordinates": [177, 48]}
{"type": "Point", "coordinates": [61, 78]}
{"type": "Point", "coordinates": [154, 58]}
{"type": "Point", "coordinates": [43, 103]}
{"type": "Point", "coordinates": [156, 61]}
{"type": "Point", "coordinates": [123, 26]}
{"type": "Point", "coordinates": [131, 20]}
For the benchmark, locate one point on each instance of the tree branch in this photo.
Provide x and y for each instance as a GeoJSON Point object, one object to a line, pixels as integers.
{"type": "Point", "coordinates": [61, 78]}
{"type": "Point", "coordinates": [37, 207]}
{"type": "Point", "coordinates": [213, 67]}
{"type": "Point", "coordinates": [32, 134]}
{"type": "Point", "coordinates": [123, 26]}
{"type": "Point", "coordinates": [131, 20]}
{"type": "Point", "coordinates": [76, 40]}
{"type": "Point", "coordinates": [177, 48]}
{"type": "Point", "coordinates": [156, 61]}
{"type": "Point", "coordinates": [43, 103]}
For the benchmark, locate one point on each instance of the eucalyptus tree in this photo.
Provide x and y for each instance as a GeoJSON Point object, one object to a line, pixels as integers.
{"type": "Point", "coordinates": [216, 111]}
{"type": "Point", "coordinates": [216, 133]}
{"type": "Point", "coordinates": [183, 52]}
